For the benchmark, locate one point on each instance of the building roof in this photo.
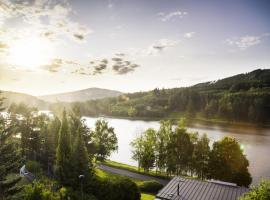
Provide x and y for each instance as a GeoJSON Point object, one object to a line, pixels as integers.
{"type": "Point", "coordinates": [189, 189]}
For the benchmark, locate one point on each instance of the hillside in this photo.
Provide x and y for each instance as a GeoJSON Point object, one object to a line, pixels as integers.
{"type": "Point", "coordinates": [15, 97]}
{"type": "Point", "coordinates": [81, 95]}
{"type": "Point", "coordinates": [240, 98]}
{"type": "Point", "coordinates": [243, 97]}
{"type": "Point", "coordinates": [257, 79]}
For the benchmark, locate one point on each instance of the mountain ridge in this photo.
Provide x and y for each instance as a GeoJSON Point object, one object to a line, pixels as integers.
{"type": "Point", "coordinates": [80, 95]}
{"type": "Point", "coordinates": [44, 101]}
{"type": "Point", "coordinates": [18, 97]}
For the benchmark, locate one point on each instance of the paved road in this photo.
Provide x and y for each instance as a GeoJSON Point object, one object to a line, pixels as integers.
{"type": "Point", "coordinates": [132, 174]}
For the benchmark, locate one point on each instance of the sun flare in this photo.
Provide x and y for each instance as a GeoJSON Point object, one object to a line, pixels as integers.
{"type": "Point", "coordinates": [30, 53]}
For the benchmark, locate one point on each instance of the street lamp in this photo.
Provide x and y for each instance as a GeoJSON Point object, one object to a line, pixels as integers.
{"type": "Point", "coordinates": [81, 177]}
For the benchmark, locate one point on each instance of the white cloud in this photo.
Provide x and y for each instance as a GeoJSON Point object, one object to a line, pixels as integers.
{"type": "Point", "coordinates": [49, 18]}
{"type": "Point", "coordinates": [189, 35]}
{"type": "Point", "coordinates": [166, 17]}
{"type": "Point", "coordinates": [118, 64]}
{"type": "Point", "coordinates": [245, 42]}
{"type": "Point", "coordinates": [160, 46]}
{"type": "Point", "coordinates": [154, 49]}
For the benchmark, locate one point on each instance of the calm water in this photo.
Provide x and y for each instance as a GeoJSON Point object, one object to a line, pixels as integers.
{"type": "Point", "coordinates": [256, 142]}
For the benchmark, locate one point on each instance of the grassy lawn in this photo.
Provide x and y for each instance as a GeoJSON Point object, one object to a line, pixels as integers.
{"type": "Point", "coordinates": [103, 174]}
{"type": "Point", "coordinates": [134, 169]}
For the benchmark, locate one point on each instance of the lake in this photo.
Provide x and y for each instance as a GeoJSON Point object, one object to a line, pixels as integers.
{"type": "Point", "coordinates": [255, 141]}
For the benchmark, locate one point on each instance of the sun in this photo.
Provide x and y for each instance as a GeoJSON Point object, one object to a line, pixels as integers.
{"type": "Point", "coordinates": [30, 53]}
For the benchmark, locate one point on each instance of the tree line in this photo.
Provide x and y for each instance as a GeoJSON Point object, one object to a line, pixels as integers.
{"type": "Point", "coordinates": [178, 152]}
{"type": "Point", "coordinates": [241, 98]}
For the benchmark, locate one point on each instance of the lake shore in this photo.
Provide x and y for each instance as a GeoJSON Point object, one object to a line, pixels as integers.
{"type": "Point", "coordinates": [195, 122]}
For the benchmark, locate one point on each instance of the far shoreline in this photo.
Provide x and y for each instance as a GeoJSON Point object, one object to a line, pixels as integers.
{"type": "Point", "coordinates": [193, 122]}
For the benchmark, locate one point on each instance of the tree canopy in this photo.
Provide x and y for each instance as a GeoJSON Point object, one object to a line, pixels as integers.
{"type": "Point", "coordinates": [104, 139]}
{"type": "Point", "coordinates": [178, 152]}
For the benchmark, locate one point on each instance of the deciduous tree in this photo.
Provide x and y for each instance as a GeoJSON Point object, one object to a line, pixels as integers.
{"type": "Point", "coordinates": [228, 163]}
{"type": "Point", "coordinates": [105, 139]}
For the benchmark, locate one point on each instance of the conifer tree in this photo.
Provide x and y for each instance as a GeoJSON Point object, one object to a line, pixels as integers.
{"type": "Point", "coordinates": [48, 150]}
{"type": "Point", "coordinates": [54, 128]}
{"type": "Point", "coordinates": [63, 153]}
{"type": "Point", "coordinates": [10, 160]}
{"type": "Point", "coordinates": [80, 160]}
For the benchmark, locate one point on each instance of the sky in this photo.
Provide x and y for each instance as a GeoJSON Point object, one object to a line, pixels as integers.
{"type": "Point", "coordinates": [52, 46]}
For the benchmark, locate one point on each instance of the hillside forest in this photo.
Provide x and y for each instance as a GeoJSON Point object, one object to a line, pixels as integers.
{"type": "Point", "coordinates": [240, 98]}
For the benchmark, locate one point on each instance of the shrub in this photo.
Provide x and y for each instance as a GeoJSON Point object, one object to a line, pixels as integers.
{"type": "Point", "coordinates": [261, 192]}
{"type": "Point", "coordinates": [45, 191]}
{"type": "Point", "coordinates": [150, 186]}
{"type": "Point", "coordinates": [70, 194]}
{"type": "Point", "coordinates": [116, 189]}
{"type": "Point", "coordinates": [38, 191]}
{"type": "Point", "coordinates": [34, 167]}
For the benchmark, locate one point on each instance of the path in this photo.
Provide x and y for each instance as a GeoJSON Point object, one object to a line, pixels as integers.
{"type": "Point", "coordinates": [130, 174]}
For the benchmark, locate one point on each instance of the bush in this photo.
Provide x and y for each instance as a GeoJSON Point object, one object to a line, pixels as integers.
{"type": "Point", "coordinates": [34, 168]}
{"type": "Point", "coordinates": [150, 186]}
{"type": "Point", "coordinates": [38, 191]}
{"type": "Point", "coordinates": [46, 191]}
{"type": "Point", "coordinates": [116, 189]}
{"type": "Point", "coordinates": [261, 192]}
{"type": "Point", "coordinates": [70, 194]}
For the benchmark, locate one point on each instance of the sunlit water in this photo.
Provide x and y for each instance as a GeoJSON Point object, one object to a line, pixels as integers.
{"type": "Point", "coordinates": [256, 142]}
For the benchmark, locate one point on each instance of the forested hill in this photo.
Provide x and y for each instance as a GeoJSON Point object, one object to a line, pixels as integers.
{"type": "Point", "coordinates": [243, 98]}
{"type": "Point", "coordinates": [257, 79]}
{"type": "Point", "coordinates": [81, 95]}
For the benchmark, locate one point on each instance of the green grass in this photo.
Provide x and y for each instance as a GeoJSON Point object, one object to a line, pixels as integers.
{"type": "Point", "coordinates": [145, 196]}
{"type": "Point", "coordinates": [121, 165]}
{"type": "Point", "coordinates": [134, 169]}
{"type": "Point", "coordinates": [103, 174]}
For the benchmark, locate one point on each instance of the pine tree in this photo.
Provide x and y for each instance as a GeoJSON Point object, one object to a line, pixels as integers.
{"type": "Point", "coordinates": [63, 153]}
{"type": "Point", "coordinates": [10, 161]}
{"type": "Point", "coordinates": [48, 150]}
{"type": "Point", "coordinates": [54, 128]}
{"type": "Point", "coordinates": [80, 160]}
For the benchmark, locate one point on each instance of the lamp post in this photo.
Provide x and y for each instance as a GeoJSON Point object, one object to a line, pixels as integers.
{"type": "Point", "coordinates": [81, 177]}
